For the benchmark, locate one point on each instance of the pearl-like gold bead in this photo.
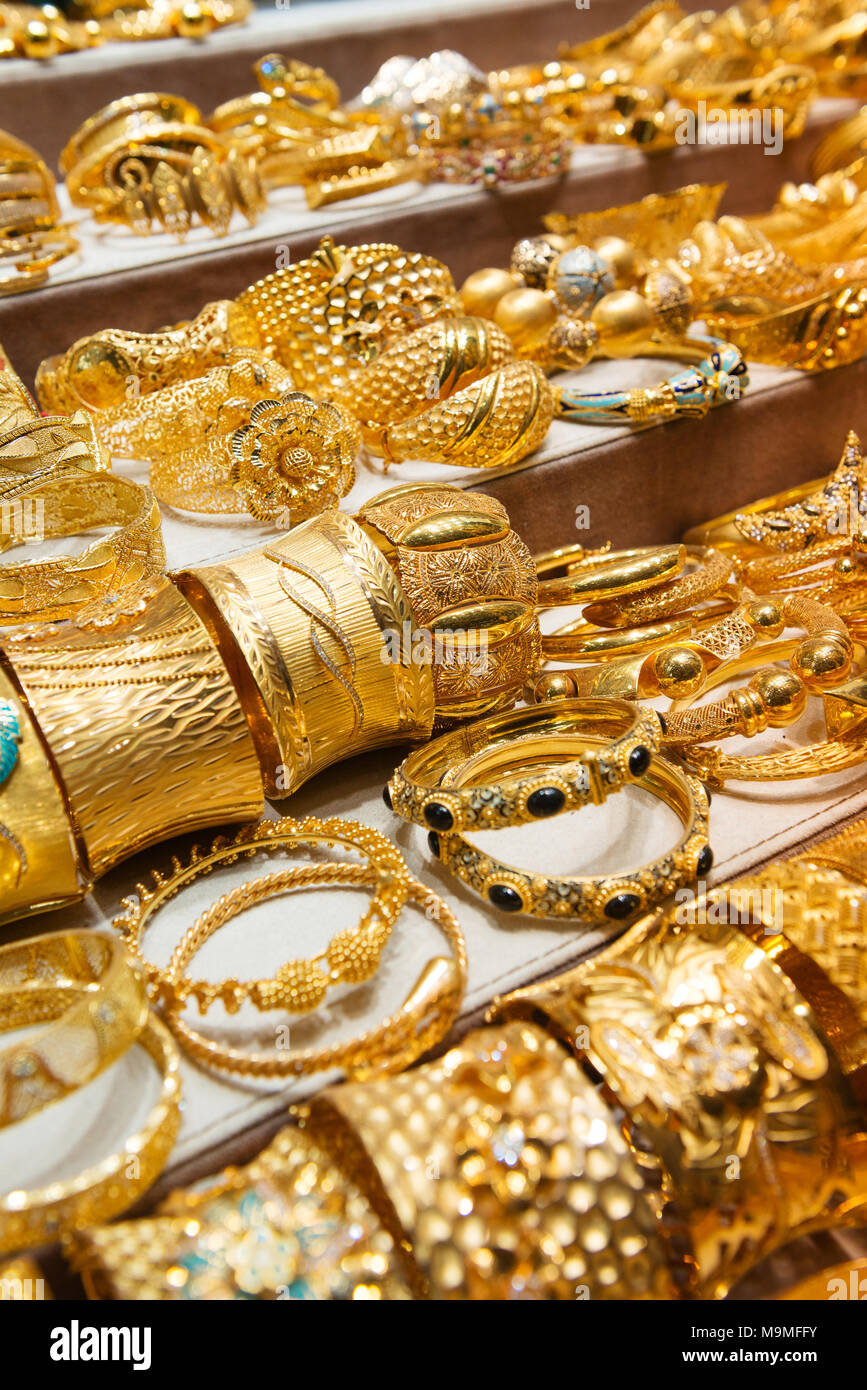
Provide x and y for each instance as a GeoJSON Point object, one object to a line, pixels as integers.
{"type": "Point", "coordinates": [766, 617]}
{"type": "Point", "coordinates": [528, 317]}
{"type": "Point", "coordinates": [554, 685]}
{"type": "Point", "coordinates": [621, 256]}
{"type": "Point", "coordinates": [482, 291]}
{"type": "Point", "coordinates": [846, 567]}
{"type": "Point", "coordinates": [39, 40]}
{"type": "Point", "coordinates": [782, 694]}
{"type": "Point", "coordinates": [822, 662]}
{"type": "Point", "coordinates": [624, 321]}
{"type": "Point", "coordinates": [194, 20]}
{"type": "Point", "coordinates": [679, 672]}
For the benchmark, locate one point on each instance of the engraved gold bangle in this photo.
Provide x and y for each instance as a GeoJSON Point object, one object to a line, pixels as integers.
{"type": "Point", "coordinates": [92, 999]}
{"type": "Point", "coordinates": [606, 900]}
{"type": "Point", "coordinates": [30, 1217]}
{"type": "Point", "coordinates": [32, 236]}
{"type": "Point", "coordinates": [300, 985]}
{"type": "Point", "coordinates": [467, 779]}
{"type": "Point", "coordinates": [59, 586]}
{"type": "Point", "coordinates": [176, 759]}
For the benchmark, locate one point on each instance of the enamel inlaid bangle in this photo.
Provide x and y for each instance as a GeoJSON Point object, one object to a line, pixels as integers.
{"type": "Point", "coordinates": [92, 999]}
{"type": "Point", "coordinates": [482, 777]}
{"type": "Point", "coordinates": [604, 900]}
{"type": "Point", "coordinates": [36, 1216]}
{"type": "Point", "coordinates": [720, 375]}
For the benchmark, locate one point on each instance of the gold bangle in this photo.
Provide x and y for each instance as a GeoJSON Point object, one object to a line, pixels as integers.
{"type": "Point", "coordinates": [181, 757]}
{"type": "Point", "coordinates": [33, 237]}
{"type": "Point", "coordinates": [86, 984]}
{"type": "Point", "coordinates": [60, 586]}
{"type": "Point", "coordinates": [39, 867]}
{"type": "Point", "coordinates": [290, 458]}
{"type": "Point", "coordinates": [314, 315]}
{"type": "Point", "coordinates": [828, 330]}
{"type": "Point", "coordinates": [305, 621]}
{"type": "Point", "coordinates": [299, 985]}
{"type": "Point", "coordinates": [424, 1017]}
{"type": "Point", "coordinates": [494, 1165]}
{"type": "Point", "coordinates": [35, 1217]}
{"type": "Point", "coordinates": [469, 779]}
{"type": "Point", "coordinates": [605, 900]}
{"type": "Point", "coordinates": [37, 33]}
{"type": "Point", "coordinates": [103, 370]}
{"type": "Point", "coordinates": [572, 574]}
{"type": "Point", "coordinates": [713, 1054]}
{"type": "Point", "coordinates": [149, 159]}
{"type": "Point", "coordinates": [254, 1232]}
{"type": "Point", "coordinates": [797, 519]}
{"type": "Point", "coordinates": [152, 425]}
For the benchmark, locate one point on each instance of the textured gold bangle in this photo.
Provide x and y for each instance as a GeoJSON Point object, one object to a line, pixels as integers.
{"type": "Point", "coordinates": [104, 370]}
{"type": "Point", "coordinates": [177, 758]}
{"type": "Point", "coordinates": [470, 779]}
{"type": "Point", "coordinates": [254, 1232]}
{"type": "Point", "coordinates": [502, 1170]}
{"type": "Point", "coordinates": [422, 1020]}
{"type": "Point", "coordinates": [724, 1075]}
{"type": "Point", "coordinates": [93, 1000]}
{"type": "Point", "coordinates": [604, 900]}
{"type": "Point", "coordinates": [316, 315]}
{"type": "Point", "coordinates": [35, 32]}
{"type": "Point", "coordinates": [59, 586]}
{"type": "Point", "coordinates": [32, 236]}
{"type": "Point", "coordinates": [300, 985]}
{"type": "Point", "coordinates": [36, 1216]}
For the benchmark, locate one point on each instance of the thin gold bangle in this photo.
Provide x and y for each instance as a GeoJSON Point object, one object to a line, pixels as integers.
{"type": "Point", "coordinates": [86, 988]}
{"type": "Point", "coordinates": [34, 1217]}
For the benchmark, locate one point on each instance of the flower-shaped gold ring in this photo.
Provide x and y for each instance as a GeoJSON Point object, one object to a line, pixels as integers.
{"type": "Point", "coordinates": [296, 457]}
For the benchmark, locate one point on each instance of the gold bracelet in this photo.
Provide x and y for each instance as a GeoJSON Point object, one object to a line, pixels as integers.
{"type": "Point", "coordinates": [33, 238]}
{"type": "Point", "coordinates": [440, 785]}
{"type": "Point", "coordinates": [724, 1074]}
{"type": "Point", "coordinates": [425, 1015]}
{"type": "Point", "coordinates": [299, 985]}
{"type": "Point", "coordinates": [254, 1232]}
{"type": "Point", "coordinates": [149, 160]}
{"type": "Point", "coordinates": [34, 1217]}
{"type": "Point", "coordinates": [60, 586]}
{"type": "Point", "coordinates": [179, 758]}
{"type": "Point", "coordinates": [38, 32]}
{"type": "Point", "coordinates": [289, 459]}
{"type": "Point", "coordinates": [499, 1167]}
{"type": "Point", "coordinates": [604, 900]}
{"type": "Point", "coordinates": [86, 982]}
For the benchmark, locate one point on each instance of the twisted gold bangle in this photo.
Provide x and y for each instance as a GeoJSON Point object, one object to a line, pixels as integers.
{"type": "Point", "coordinates": [300, 985]}
{"type": "Point", "coordinates": [86, 982]}
{"type": "Point", "coordinates": [34, 1217]}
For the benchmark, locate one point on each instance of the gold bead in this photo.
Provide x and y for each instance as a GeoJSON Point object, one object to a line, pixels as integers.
{"type": "Point", "coordinates": [556, 685]}
{"type": "Point", "coordinates": [679, 672]}
{"type": "Point", "coordinates": [782, 694]}
{"type": "Point", "coordinates": [624, 321]}
{"type": "Point", "coordinates": [621, 256]}
{"type": "Point", "coordinates": [528, 317]}
{"type": "Point", "coordinates": [846, 567]}
{"type": "Point", "coordinates": [39, 40]}
{"type": "Point", "coordinates": [822, 662]}
{"type": "Point", "coordinates": [766, 617]}
{"type": "Point", "coordinates": [482, 291]}
{"type": "Point", "coordinates": [194, 20]}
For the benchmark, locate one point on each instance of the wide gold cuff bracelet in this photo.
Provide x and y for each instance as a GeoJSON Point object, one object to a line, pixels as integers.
{"type": "Point", "coordinates": [141, 720]}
